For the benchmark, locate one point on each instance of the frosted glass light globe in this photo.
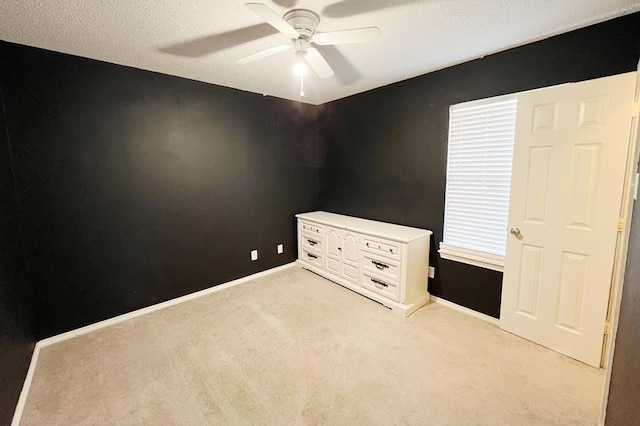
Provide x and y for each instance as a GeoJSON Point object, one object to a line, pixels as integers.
{"type": "Point", "coordinates": [300, 69]}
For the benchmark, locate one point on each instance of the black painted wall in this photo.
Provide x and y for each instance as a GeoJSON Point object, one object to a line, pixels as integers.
{"type": "Point", "coordinates": [16, 338]}
{"type": "Point", "coordinates": [386, 149]}
{"type": "Point", "coordinates": [137, 187]}
{"type": "Point", "coordinates": [622, 407]}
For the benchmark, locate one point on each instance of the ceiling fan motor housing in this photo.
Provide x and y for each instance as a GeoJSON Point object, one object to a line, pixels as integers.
{"type": "Point", "coordinates": [304, 21]}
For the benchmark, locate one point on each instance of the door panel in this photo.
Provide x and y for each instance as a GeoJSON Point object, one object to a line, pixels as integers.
{"type": "Point", "coordinates": [350, 256]}
{"type": "Point", "coordinates": [350, 272]}
{"type": "Point", "coordinates": [350, 248]}
{"type": "Point", "coordinates": [529, 282]}
{"type": "Point", "coordinates": [537, 185]}
{"type": "Point", "coordinates": [572, 282]}
{"type": "Point", "coordinates": [583, 188]}
{"type": "Point", "coordinates": [333, 265]}
{"type": "Point", "coordinates": [569, 160]}
{"type": "Point", "coordinates": [333, 242]}
{"type": "Point", "coordinates": [334, 261]}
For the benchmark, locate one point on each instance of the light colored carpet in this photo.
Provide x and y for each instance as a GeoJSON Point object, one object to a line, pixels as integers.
{"type": "Point", "coordinates": [294, 348]}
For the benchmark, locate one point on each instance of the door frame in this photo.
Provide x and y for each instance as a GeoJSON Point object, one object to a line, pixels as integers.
{"type": "Point", "coordinates": [622, 245]}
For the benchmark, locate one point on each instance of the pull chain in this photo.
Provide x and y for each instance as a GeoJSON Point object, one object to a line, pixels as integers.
{"type": "Point", "coordinates": [300, 69]}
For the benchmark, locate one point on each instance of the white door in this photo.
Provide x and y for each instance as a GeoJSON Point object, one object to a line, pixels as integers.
{"type": "Point", "coordinates": [569, 161]}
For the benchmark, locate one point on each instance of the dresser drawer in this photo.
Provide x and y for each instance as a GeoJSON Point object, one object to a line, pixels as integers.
{"type": "Point", "coordinates": [386, 248]}
{"type": "Point", "coordinates": [311, 241]}
{"type": "Point", "coordinates": [385, 268]}
{"type": "Point", "coordinates": [311, 228]}
{"type": "Point", "coordinates": [381, 286]}
{"type": "Point", "coordinates": [313, 258]}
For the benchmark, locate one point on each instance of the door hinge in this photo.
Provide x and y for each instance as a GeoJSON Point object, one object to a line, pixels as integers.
{"type": "Point", "coordinates": [621, 224]}
{"type": "Point", "coordinates": [635, 110]}
{"type": "Point", "coordinates": [606, 327]}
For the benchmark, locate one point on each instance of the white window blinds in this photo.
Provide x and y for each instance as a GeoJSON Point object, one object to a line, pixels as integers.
{"type": "Point", "coordinates": [478, 181]}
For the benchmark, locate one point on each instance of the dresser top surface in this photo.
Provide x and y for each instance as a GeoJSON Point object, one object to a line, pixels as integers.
{"type": "Point", "coordinates": [381, 229]}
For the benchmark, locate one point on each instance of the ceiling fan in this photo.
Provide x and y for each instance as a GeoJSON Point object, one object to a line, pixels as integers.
{"type": "Point", "coordinates": [300, 25]}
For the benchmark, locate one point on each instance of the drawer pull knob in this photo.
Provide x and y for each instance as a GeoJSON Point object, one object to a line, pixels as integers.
{"type": "Point", "coordinates": [379, 283]}
{"type": "Point", "coordinates": [312, 256]}
{"type": "Point", "coordinates": [311, 242]}
{"type": "Point", "coordinates": [380, 265]}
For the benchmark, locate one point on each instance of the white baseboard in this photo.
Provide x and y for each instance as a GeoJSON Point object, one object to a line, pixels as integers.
{"type": "Point", "coordinates": [17, 415]}
{"type": "Point", "coordinates": [158, 306]}
{"type": "Point", "coordinates": [22, 400]}
{"type": "Point", "coordinates": [471, 312]}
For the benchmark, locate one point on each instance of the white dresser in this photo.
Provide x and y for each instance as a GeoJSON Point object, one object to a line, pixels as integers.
{"type": "Point", "coordinates": [385, 262]}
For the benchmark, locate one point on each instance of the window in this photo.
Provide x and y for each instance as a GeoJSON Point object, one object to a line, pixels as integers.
{"type": "Point", "coordinates": [478, 181]}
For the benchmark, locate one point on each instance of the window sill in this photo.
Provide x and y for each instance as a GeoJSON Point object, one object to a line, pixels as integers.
{"type": "Point", "coordinates": [472, 257]}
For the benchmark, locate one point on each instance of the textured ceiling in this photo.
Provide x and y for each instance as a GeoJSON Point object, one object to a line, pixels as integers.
{"type": "Point", "coordinates": [202, 39]}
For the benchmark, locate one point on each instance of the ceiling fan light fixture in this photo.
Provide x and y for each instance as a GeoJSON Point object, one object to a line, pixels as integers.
{"type": "Point", "coordinates": [299, 69]}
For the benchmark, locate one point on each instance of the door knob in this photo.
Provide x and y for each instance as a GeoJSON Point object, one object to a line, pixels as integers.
{"type": "Point", "coordinates": [514, 231]}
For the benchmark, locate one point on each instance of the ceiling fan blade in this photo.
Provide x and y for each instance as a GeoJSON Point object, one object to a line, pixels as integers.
{"type": "Point", "coordinates": [359, 35]}
{"type": "Point", "coordinates": [209, 44]}
{"type": "Point", "coordinates": [273, 19]}
{"type": "Point", "coordinates": [344, 8]}
{"type": "Point", "coordinates": [346, 73]}
{"type": "Point", "coordinates": [285, 3]}
{"type": "Point", "coordinates": [264, 53]}
{"type": "Point", "coordinates": [318, 63]}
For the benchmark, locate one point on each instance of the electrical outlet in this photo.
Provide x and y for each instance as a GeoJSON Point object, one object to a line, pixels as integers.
{"type": "Point", "coordinates": [280, 249]}
{"type": "Point", "coordinates": [432, 272]}
{"type": "Point", "coordinates": [254, 254]}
